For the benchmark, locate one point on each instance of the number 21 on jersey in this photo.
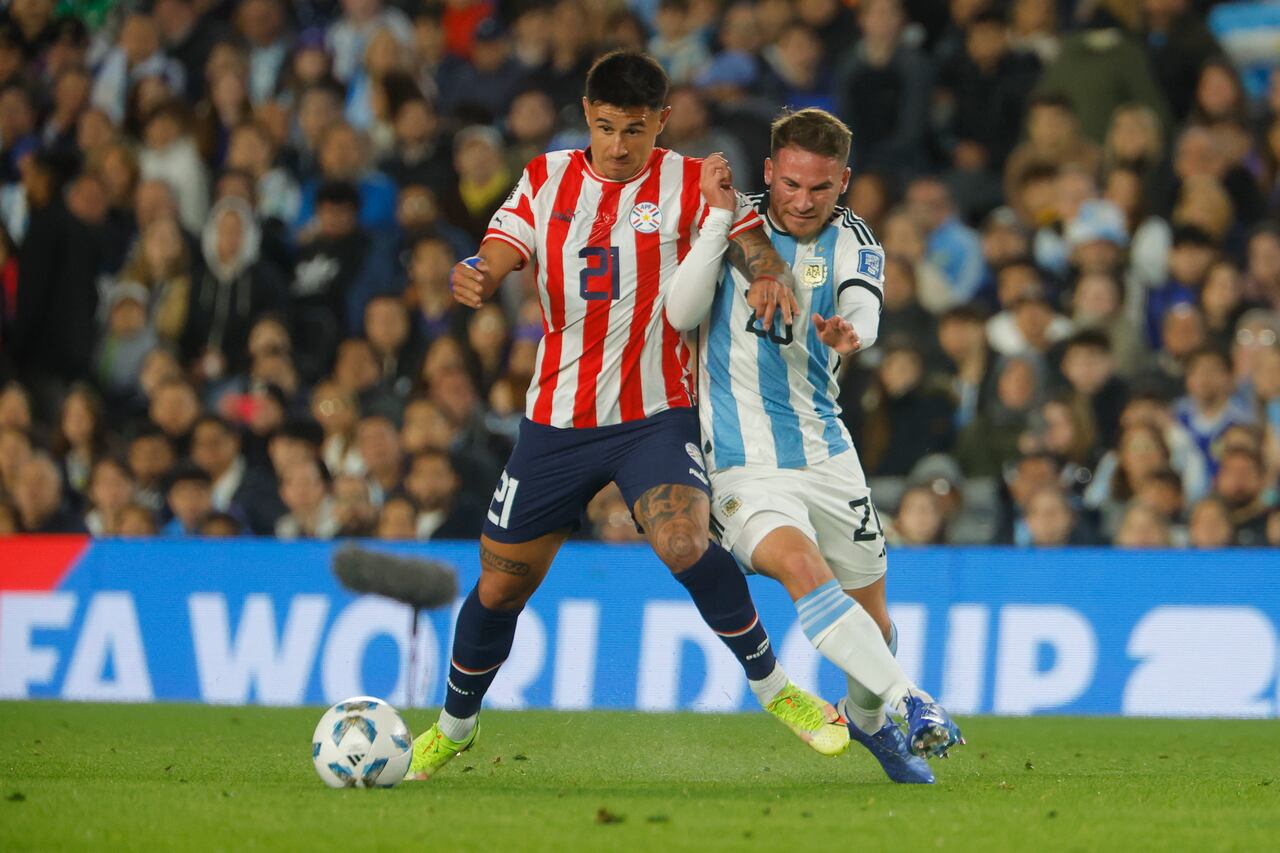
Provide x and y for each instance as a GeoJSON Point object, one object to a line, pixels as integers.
{"type": "Point", "coordinates": [599, 279]}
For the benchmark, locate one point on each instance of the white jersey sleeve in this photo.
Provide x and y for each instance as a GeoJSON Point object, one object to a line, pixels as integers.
{"type": "Point", "coordinates": [859, 276]}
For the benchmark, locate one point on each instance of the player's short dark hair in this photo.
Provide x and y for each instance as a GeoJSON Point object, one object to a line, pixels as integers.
{"type": "Point", "coordinates": [627, 78]}
{"type": "Point", "coordinates": [813, 130]}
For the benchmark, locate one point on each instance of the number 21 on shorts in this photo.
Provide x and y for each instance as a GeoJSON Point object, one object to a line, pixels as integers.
{"type": "Point", "coordinates": [504, 497]}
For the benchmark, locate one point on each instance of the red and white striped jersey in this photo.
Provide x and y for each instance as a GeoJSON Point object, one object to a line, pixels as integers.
{"type": "Point", "coordinates": [605, 253]}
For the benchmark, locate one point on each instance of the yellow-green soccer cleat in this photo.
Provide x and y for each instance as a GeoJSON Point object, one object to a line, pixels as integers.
{"type": "Point", "coordinates": [432, 750]}
{"type": "Point", "coordinates": [814, 721]}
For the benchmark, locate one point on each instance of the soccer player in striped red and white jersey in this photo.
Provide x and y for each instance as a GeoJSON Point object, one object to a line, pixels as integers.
{"type": "Point", "coordinates": [606, 229]}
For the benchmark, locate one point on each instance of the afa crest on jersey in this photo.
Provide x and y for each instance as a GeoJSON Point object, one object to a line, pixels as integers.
{"type": "Point", "coordinates": [813, 272]}
{"type": "Point", "coordinates": [646, 217]}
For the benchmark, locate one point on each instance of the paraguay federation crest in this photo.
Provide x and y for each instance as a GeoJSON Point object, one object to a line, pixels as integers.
{"type": "Point", "coordinates": [813, 272]}
{"type": "Point", "coordinates": [646, 217]}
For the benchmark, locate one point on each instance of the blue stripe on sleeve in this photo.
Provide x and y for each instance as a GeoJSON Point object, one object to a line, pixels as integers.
{"type": "Point", "coordinates": [824, 303]}
{"type": "Point", "coordinates": [726, 430]}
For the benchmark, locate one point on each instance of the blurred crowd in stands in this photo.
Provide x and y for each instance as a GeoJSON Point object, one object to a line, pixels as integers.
{"type": "Point", "coordinates": [227, 227]}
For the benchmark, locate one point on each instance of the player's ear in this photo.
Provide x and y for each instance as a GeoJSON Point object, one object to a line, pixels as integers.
{"type": "Point", "coordinates": [768, 171]}
{"type": "Point", "coordinates": [844, 180]}
{"type": "Point", "coordinates": [586, 110]}
{"type": "Point", "coordinates": [662, 118]}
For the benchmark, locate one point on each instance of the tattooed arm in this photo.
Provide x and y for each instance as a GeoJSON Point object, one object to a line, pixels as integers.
{"type": "Point", "coordinates": [772, 284]}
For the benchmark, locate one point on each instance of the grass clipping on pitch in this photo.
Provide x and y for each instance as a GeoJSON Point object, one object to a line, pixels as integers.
{"type": "Point", "coordinates": [188, 777]}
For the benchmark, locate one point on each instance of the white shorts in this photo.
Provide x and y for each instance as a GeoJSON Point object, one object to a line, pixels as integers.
{"type": "Point", "coordinates": [829, 502]}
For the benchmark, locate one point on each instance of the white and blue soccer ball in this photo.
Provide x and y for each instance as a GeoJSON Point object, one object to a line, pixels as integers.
{"type": "Point", "coordinates": [361, 742]}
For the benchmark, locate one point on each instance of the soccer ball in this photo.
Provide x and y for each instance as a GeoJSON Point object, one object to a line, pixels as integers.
{"type": "Point", "coordinates": [361, 743]}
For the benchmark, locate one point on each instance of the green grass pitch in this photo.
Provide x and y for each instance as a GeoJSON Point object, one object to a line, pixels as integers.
{"type": "Point", "coordinates": [81, 777]}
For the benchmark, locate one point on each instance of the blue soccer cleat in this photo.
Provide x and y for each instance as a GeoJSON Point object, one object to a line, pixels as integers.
{"type": "Point", "coordinates": [889, 746]}
{"type": "Point", "coordinates": [930, 731]}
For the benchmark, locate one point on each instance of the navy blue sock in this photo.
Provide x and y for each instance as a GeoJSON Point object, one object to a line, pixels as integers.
{"type": "Point", "coordinates": [719, 591]}
{"type": "Point", "coordinates": [481, 642]}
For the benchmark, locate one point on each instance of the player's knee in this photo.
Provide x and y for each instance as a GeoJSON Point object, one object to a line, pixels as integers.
{"type": "Point", "coordinates": [802, 571]}
{"type": "Point", "coordinates": [501, 592]}
{"type": "Point", "coordinates": [680, 544]}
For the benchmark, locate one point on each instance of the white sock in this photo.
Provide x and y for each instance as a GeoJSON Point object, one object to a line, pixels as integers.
{"type": "Point", "coordinates": [769, 686]}
{"type": "Point", "coordinates": [847, 636]}
{"type": "Point", "coordinates": [457, 728]}
{"type": "Point", "coordinates": [864, 708]}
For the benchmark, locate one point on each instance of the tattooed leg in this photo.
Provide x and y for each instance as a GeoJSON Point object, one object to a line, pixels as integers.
{"type": "Point", "coordinates": [509, 574]}
{"type": "Point", "coordinates": [485, 630]}
{"type": "Point", "coordinates": [675, 520]}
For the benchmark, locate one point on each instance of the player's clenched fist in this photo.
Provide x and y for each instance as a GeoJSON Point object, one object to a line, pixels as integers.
{"type": "Point", "coordinates": [717, 182]}
{"type": "Point", "coordinates": [469, 281]}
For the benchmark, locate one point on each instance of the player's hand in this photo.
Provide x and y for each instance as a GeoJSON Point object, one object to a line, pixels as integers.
{"type": "Point", "coordinates": [768, 297]}
{"type": "Point", "coordinates": [717, 183]}
{"type": "Point", "coordinates": [469, 281]}
{"type": "Point", "coordinates": [837, 334]}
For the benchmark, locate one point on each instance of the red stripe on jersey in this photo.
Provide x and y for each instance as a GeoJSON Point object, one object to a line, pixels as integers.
{"type": "Point", "coordinates": [690, 200]}
{"type": "Point", "coordinates": [745, 224]}
{"type": "Point", "coordinates": [595, 326]}
{"type": "Point", "coordinates": [537, 170]}
{"type": "Point", "coordinates": [675, 360]}
{"type": "Point", "coordinates": [516, 243]}
{"type": "Point", "coordinates": [648, 280]}
{"type": "Point", "coordinates": [675, 355]}
{"type": "Point", "coordinates": [525, 211]}
{"type": "Point", "coordinates": [552, 342]}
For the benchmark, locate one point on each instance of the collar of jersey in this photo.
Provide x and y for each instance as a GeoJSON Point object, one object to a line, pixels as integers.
{"type": "Point", "coordinates": [585, 154]}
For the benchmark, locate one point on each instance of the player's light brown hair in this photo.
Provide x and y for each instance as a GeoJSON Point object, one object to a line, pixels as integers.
{"type": "Point", "coordinates": [814, 130]}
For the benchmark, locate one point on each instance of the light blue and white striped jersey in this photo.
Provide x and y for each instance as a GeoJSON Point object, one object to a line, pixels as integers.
{"type": "Point", "coordinates": [769, 398]}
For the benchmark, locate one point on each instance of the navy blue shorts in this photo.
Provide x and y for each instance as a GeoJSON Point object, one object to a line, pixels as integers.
{"type": "Point", "coordinates": [554, 473]}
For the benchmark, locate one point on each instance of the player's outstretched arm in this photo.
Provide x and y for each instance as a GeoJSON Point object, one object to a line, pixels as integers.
{"type": "Point", "coordinates": [476, 278]}
{"type": "Point", "coordinates": [772, 284]}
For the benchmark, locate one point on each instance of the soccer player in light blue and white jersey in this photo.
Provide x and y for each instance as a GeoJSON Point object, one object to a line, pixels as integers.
{"type": "Point", "coordinates": [789, 497]}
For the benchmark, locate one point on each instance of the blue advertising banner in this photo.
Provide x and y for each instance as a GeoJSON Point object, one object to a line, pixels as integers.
{"type": "Point", "coordinates": [1003, 631]}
